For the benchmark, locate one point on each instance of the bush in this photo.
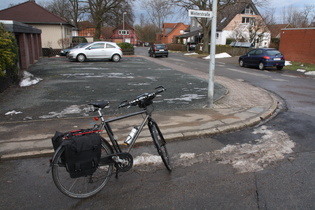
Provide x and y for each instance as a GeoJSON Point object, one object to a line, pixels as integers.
{"type": "Point", "coordinates": [78, 39]}
{"type": "Point", "coordinates": [125, 45]}
{"type": "Point", "coordinates": [8, 54]}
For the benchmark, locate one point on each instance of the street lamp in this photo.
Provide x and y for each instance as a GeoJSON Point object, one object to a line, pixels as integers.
{"type": "Point", "coordinates": [123, 33]}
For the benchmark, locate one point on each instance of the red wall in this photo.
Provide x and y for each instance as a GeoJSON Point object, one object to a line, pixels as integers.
{"type": "Point", "coordinates": [298, 45]}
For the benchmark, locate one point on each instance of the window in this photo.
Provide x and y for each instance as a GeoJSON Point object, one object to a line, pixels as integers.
{"type": "Point", "coordinates": [97, 46]}
{"type": "Point", "coordinates": [110, 46]}
{"type": "Point", "coordinates": [123, 32]}
{"type": "Point", "coordinates": [248, 20]}
{"type": "Point", "coordinates": [252, 52]}
{"type": "Point", "coordinates": [248, 11]}
{"type": "Point", "coordinates": [258, 52]}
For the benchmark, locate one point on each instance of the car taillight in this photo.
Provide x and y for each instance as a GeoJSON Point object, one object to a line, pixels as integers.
{"type": "Point", "coordinates": [266, 57]}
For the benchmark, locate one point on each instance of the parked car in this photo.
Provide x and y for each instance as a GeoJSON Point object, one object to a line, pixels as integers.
{"type": "Point", "coordinates": [96, 50]}
{"type": "Point", "coordinates": [65, 52]}
{"type": "Point", "coordinates": [158, 50]}
{"type": "Point", "coordinates": [263, 57]}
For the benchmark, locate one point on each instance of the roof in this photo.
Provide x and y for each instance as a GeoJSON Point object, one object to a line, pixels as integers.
{"type": "Point", "coordinates": [125, 26]}
{"type": "Point", "coordinates": [169, 27]}
{"type": "Point", "coordinates": [225, 15]}
{"type": "Point", "coordinates": [275, 29]}
{"type": "Point", "coordinates": [31, 13]}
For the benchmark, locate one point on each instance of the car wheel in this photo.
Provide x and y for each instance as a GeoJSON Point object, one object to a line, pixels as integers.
{"type": "Point", "coordinates": [81, 58]}
{"type": "Point", "coordinates": [261, 66]}
{"type": "Point", "coordinates": [241, 62]}
{"type": "Point", "coordinates": [279, 67]}
{"type": "Point", "coordinates": [116, 58]}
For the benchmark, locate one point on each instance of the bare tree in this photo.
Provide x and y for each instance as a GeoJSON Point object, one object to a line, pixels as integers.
{"type": "Point", "coordinates": [157, 10]}
{"type": "Point", "coordinates": [70, 10]}
{"type": "Point", "coordinates": [99, 9]}
{"type": "Point", "coordinates": [207, 5]}
{"type": "Point", "coordinates": [146, 32]}
{"type": "Point", "coordinates": [299, 17]}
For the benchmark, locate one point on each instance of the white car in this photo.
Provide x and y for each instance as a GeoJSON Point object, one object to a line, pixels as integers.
{"type": "Point", "coordinates": [96, 50]}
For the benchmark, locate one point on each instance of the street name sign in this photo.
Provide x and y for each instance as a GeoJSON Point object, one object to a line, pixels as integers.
{"type": "Point", "coordinates": [199, 13]}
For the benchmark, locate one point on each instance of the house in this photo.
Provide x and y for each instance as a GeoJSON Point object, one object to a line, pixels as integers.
{"type": "Point", "coordinates": [56, 32]}
{"type": "Point", "coordinates": [234, 22]}
{"type": "Point", "coordinates": [87, 30]}
{"type": "Point", "coordinates": [298, 44]}
{"type": "Point", "coordinates": [124, 33]}
{"type": "Point", "coordinates": [170, 31]}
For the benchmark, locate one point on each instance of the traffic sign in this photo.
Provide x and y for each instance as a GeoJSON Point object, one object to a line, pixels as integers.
{"type": "Point", "coordinates": [199, 13]}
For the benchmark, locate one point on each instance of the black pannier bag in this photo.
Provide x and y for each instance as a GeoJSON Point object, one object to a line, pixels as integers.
{"type": "Point", "coordinates": [82, 151]}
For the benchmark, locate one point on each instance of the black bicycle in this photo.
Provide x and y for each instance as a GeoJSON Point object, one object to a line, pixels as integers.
{"type": "Point", "coordinates": [112, 156]}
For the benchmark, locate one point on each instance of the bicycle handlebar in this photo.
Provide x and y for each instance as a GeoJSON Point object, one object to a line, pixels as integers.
{"type": "Point", "coordinates": [143, 99]}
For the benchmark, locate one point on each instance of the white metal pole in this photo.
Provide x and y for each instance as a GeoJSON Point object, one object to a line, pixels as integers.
{"type": "Point", "coordinates": [212, 54]}
{"type": "Point", "coordinates": [123, 32]}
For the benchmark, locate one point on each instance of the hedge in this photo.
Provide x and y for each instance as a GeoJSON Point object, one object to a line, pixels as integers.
{"type": "Point", "coordinates": [8, 59]}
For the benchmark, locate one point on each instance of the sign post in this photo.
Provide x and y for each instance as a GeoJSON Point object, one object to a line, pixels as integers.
{"type": "Point", "coordinates": [212, 54]}
{"type": "Point", "coordinates": [212, 15]}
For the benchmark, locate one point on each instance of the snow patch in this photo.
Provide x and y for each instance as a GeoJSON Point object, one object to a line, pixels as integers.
{"type": "Point", "coordinates": [220, 55]}
{"type": "Point", "coordinates": [191, 54]}
{"type": "Point", "coordinates": [186, 97]}
{"type": "Point", "coordinates": [310, 73]}
{"type": "Point", "coordinates": [73, 109]}
{"type": "Point", "coordinates": [287, 63]}
{"type": "Point", "coordinates": [271, 147]}
{"type": "Point", "coordinates": [13, 112]}
{"type": "Point", "coordinates": [147, 159]}
{"type": "Point", "coordinates": [29, 79]}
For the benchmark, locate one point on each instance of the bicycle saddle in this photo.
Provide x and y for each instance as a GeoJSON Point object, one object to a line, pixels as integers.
{"type": "Point", "coordinates": [101, 104]}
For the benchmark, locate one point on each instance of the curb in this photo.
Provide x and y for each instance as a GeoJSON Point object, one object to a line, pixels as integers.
{"type": "Point", "coordinates": [171, 136]}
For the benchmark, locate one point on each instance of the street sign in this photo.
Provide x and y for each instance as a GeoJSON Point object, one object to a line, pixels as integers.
{"type": "Point", "coordinates": [199, 13]}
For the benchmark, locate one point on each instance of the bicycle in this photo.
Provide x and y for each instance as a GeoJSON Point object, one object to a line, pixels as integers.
{"type": "Point", "coordinates": [111, 155]}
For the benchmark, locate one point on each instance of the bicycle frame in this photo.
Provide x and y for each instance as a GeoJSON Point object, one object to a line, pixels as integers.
{"type": "Point", "coordinates": [107, 127]}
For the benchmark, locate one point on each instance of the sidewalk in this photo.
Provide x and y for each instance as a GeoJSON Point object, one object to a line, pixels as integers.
{"type": "Point", "coordinates": [241, 106]}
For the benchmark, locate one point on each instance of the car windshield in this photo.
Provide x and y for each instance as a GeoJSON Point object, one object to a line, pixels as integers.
{"type": "Point", "coordinates": [273, 52]}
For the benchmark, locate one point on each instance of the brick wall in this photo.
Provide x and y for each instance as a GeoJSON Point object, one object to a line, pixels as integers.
{"type": "Point", "coordinates": [298, 44]}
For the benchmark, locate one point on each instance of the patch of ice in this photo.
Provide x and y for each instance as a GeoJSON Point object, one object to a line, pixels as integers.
{"type": "Point", "coordinates": [301, 70]}
{"type": "Point", "coordinates": [102, 75]}
{"type": "Point", "coordinates": [29, 79]}
{"type": "Point", "coordinates": [13, 112]}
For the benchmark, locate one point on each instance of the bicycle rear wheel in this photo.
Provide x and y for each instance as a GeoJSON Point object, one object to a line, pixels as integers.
{"type": "Point", "coordinates": [160, 144]}
{"type": "Point", "coordinates": [81, 187]}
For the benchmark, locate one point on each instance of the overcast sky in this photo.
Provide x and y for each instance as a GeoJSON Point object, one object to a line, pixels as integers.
{"type": "Point", "coordinates": [273, 3]}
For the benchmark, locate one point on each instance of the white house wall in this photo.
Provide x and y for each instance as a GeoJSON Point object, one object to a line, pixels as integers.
{"type": "Point", "coordinates": [51, 34]}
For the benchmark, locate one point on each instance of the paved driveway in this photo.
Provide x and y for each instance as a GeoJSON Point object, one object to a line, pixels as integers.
{"type": "Point", "coordinates": [67, 87]}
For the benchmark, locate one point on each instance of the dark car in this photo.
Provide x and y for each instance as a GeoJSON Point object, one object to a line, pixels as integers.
{"type": "Point", "coordinates": [158, 50]}
{"type": "Point", "coordinates": [263, 57]}
{"type": "Point", "coordinates": [65, 52]}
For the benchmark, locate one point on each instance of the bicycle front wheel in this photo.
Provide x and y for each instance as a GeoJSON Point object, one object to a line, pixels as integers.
{"type": "Point", "coordinates": [160, 145]}
{"type": "Point", "coordinates": [81, 187]}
